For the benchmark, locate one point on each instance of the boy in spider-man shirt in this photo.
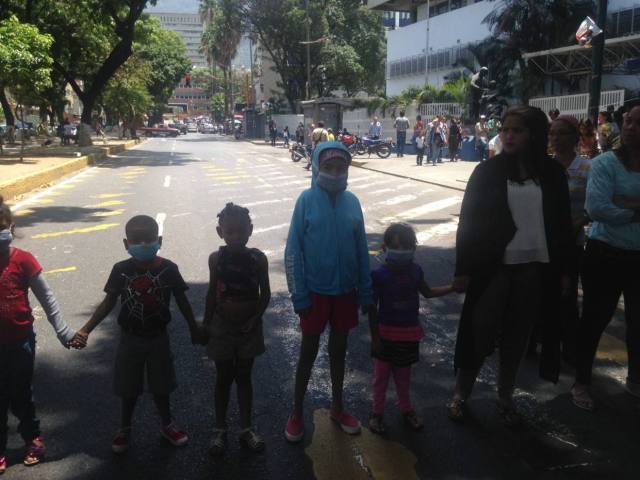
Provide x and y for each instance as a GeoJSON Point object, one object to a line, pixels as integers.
{"type": "Point", "coordinates": [144, 284]}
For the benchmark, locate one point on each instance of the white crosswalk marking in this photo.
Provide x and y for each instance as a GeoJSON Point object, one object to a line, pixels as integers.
{"type": "Point", "coordinates": [397, 200]}
{"type": "Point", "coordinates": [424, 209]}
{"type": "Point", "coordinates": [269, 229]}
{"type": "Point", "coordinates": [267, 202]}
{"type": "Point", "coordinates": [439, 230]}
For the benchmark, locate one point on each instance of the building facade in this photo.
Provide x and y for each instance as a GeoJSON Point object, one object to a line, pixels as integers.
{"type": "Point", "coordinates": [427, 40]}
{"type": "Point", "coordinates": [190, 28]}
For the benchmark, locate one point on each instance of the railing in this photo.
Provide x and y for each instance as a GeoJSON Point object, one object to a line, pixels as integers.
{"type": "Point", "coordinates": [577, 105]}
{"type": "Point", "coordinates": [430, 110]}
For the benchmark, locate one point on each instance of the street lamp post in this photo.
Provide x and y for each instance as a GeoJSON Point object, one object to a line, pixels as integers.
{"type": "Point", "coordinates": [308, 45]}
{"type": "Point", "coordinates": [596, 69]}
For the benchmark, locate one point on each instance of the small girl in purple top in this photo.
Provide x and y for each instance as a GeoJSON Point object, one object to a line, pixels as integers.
{"type": "Point", "coordinates": [395, 327]}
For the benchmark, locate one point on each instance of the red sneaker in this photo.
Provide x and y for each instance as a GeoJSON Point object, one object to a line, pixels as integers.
{"type": "Point", "coordinates": [3, 464]}
{"type": "Point", "coordinates": [294, 431]}
{"type": "Point", "coordinates": [35, 452]}
{"type": "Point", "coordinates": [174, 435]}
{"type": "Point", "coordinates": [120, 442]}
{"type": "Point", "coordinates": [348, 423]}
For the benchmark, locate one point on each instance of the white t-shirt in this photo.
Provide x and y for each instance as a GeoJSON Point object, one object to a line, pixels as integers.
{"type": "Point", "coordinates": [419, 142]}
{"type": "Point", "coordinates": [495, 145]}
{"type": "Point", "coordinates": [529, 244]}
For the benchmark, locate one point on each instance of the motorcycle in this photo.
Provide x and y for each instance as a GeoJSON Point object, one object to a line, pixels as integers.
{"type": "Point", "coordinates": [300, 151]}
{"type": "Point", "coordinates": [380, 147]}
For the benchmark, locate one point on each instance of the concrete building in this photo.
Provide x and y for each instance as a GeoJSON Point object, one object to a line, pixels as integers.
{"type": "Point", "coordinates": [190, 28]}
{"type": "Point", "coordinates": [427, 38]}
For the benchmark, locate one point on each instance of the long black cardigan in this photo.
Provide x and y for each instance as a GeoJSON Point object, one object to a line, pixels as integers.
{"type": "Point", "coordinates": [485, 229]}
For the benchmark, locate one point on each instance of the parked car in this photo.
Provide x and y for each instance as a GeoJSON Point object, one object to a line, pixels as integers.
{"type": "Point", "coordinates": [159, 131]}
{"type": "Point", "coordinates": [180, 126]}
{"type": "Point", "coordinates": [207, 128]}
{"type": "Point", "coordinates": [192, 127]}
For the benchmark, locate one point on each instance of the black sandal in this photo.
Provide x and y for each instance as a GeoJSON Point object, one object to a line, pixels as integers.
{"type": "Point", "coordinates": [456, 409]}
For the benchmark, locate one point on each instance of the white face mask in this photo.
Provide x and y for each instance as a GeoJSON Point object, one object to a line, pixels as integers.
{"type": "Point", "coordinates": [6, 237]}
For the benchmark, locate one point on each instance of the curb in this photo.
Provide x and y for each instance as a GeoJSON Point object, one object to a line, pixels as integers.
{"type": "Point", "coordinates": [26, 183]}
{"type": "Point", "coordinates": [361, 164]}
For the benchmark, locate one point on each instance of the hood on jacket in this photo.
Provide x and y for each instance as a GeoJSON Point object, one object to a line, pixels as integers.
{"type": "Point", "coordinates": [315, 158]}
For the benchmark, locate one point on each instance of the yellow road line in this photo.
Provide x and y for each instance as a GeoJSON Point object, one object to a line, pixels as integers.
{"type": "Point", "coordinates": [112, 213]}
{"type": "Point", "coordinates": [96, 228]}
{"type": "Point", "coordinates": [111, 195]}
{"type": "Point", "coordinates": [24, 212]}
{"type": "Point", "coordinates": [45, 201]}
{"type": "Point", "coordinates": [108, 203]}
{"type": "Point", "coordinates": [61, 270]}
{"type": "Point", "coordinates": [338, 456]}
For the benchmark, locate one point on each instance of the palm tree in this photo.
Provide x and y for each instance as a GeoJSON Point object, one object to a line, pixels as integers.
{"type": "Point", "coordinates": [223, 30]}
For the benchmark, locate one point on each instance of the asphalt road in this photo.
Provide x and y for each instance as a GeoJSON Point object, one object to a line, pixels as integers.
{"type": "Point", "coordinates": [76, 228]}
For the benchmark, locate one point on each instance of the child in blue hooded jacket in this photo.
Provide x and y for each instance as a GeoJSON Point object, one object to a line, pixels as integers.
{"type": "Point", "coordinates": [327, 266]}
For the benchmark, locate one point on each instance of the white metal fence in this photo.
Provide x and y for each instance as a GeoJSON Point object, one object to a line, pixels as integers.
{"type": "Point", "coordinates": [430, 110]}
{"type": "Point", "coordinates": [357, 121]}
{"type": "Point", "coordinates": [577, 105]}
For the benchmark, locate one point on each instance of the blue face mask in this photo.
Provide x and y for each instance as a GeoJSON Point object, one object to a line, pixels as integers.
{"type": "Point", "coordinates": [332, 184]}
{"type": "Point", "coordinates": [144, 253]}
{"type": "Point", "coordinates": [399, 257]}
{"type": "Point", "coordinates": [6, 237]}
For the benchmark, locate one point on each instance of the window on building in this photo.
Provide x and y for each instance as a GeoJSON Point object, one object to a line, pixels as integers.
{"type": "Point", "coordinates": [624, 22]}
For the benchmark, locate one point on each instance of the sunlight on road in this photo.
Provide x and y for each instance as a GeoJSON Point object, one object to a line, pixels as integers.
{"type": "Point", "coordinates": [367, 456]}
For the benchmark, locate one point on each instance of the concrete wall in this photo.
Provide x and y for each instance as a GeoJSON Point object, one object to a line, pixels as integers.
{"type": "Point", "coordinates": [357, 121]}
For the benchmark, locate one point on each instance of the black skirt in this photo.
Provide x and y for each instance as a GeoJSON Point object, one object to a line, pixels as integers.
{"type": "Point", "coordinates": [399, 354]}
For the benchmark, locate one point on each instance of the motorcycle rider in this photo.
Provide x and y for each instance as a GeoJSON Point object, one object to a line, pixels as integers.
{"type": "Point", "coordinates": [375, 129]}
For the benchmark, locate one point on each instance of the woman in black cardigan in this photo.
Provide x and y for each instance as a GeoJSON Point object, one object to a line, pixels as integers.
{"type": "Point", "coordinates": [513, 249]}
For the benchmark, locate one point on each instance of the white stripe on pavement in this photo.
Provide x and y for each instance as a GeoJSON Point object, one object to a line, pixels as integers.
{"type": "Point", "coordinates": [267, 202]}
{"type": "Point", "coordinates": [167, 181]}
{"type": "Point", "coordinates": [438, 231]}
{"type": "Point", "coordinates": [160, 218]}
{"type": "Point", "coordinates": [268, 229]}
{"type": "Point", "coordinates": [397, 200]}
{"type": "Point", "coordinates": [424, 209]}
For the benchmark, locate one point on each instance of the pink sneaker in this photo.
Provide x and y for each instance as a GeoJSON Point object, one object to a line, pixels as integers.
{"type": "Point", "coordinates": [174, 435]}
{"type": "Point", "coordinates": [3, 464]}
{"type": "Point", "coordinates": [120, 442]}
{"type": "Point", "coordinates": [348, 423]}
{"type": "Point", "coordinates": [294, 431]}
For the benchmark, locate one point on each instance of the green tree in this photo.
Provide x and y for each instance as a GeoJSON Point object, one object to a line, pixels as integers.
{"type": "Point", "coordinates": [223, 30]}
{"type": "Point", "coordinates": [92, 39]}
{"type": "Point", "coordinates": [25, 62]}
{"type": "Point", "coordinates": [166, 55]}
{"type": "Point", "coordinates": [126, 96]}
{"type": "Point", "coordinates": [520, 26]}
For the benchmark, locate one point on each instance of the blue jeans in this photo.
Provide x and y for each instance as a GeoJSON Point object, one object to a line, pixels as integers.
{"type": "Point", "coordinates": [16, 374]}
{"type": "Point", "coordinates": [483, 147]}
{"type": "Point", "coordinates": [436, 150]}
{"type": "Point", "coordinates": [402, 140]}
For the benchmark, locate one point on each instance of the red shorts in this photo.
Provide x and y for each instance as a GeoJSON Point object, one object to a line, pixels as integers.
{"type": "Point", "coordinates": [341, 311]}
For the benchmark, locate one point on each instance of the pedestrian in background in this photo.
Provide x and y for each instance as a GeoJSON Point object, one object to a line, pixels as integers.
{"type": "Point", "coordinates": [418, 129]}
{"type": "Point", "coordinates": [401, 124]}
{"type": "Point", "coordinates": [19, 273]}
{"type": "Point", "coordinates": [285, 136]}
{"type": "Point", "coordinates": [330, 136]}
{"type": "Point", "coordinates": [327, 267]}
{"type": "Point", "coordinates": [375, 129]}
{"type": "Point", "coordinates": [607, 131]}
{"type": "Point", "coordinates": [482, 138]}
{"type": "Point", "coordinates": [300, 133]}
{"type": "Point", "coordinates": [436, 141]}
{"type": "Point", "coordinates": [612, 258]}
{"type": "Point", "coordinates": [420, 144]}
{"type": "Point", "coordinates": [273, 132]}
{"type": "Point", "coordinates": [319, 134]}
{"type": "Point", "coordinates": [455, 138]}
{"type": "Point", "coordinates": [514, 237]}
{"type": "Point", "coordinates": [553, 114]}
{"type": "Point", "coordinates": [145, 284]}
{"type": "Point", "coordinates": [588, 144]}
{"type": "Point", "coordinates": [394, 323]}
{"type": "Point", "coordinates": [237, 298]}
{"type": "Point", "coordinates": [564, 134]}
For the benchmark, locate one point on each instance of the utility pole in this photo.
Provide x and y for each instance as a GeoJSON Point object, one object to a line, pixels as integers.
{"type": "Point", "coordinates": [308, 46]}
{"type": "Point", "coordinates": [596, 69]}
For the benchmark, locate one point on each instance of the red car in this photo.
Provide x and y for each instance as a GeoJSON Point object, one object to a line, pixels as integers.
{"type": "Point", "coordinates": [159, 131]}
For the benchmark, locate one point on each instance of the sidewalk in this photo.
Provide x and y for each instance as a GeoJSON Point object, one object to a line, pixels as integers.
{"type": "Point", "coordinates": [43, 165]}
{"type": "Point", "coordinates": [453, 175]}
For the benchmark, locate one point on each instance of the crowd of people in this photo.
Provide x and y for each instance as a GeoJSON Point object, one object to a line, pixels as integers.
{"type": "Point", "coordinates": [521, 253]}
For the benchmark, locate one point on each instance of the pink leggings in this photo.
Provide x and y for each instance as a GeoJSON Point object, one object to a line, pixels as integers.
{"type": "Point", "coordinates": [402, 378]}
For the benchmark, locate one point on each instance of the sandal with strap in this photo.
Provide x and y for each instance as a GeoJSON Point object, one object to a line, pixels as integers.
{"type": "Point", "coordinates": [251, 440]}
{"type": "Point", "coordinates": [581, 398]}
{"type": "Point", "coordinates": [35, 452]}
{"type": "Point", "coordinates": [3, 464]}
{"type": "Point", "coordinates": [219, 442]}
{"type": "Point", "coordinates": [412, 420]}
{"type": "Point", "coordinates": [456, 409]}
{"type": "Point", "coordinates": [510, 416]}
{"type": "Point", "coordinates": [376, 424]}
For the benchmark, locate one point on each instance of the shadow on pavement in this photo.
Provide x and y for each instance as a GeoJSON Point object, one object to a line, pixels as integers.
{"type": "Point", "coordinates": [60, 214]}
